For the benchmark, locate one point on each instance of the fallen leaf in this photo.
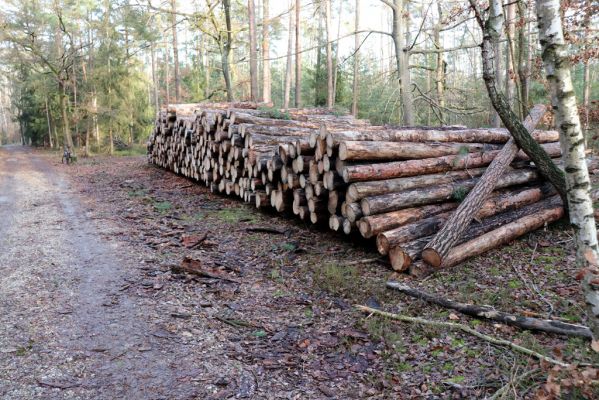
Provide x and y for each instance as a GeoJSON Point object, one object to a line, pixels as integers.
{"type": "Point", "coordinates": [453, 317]}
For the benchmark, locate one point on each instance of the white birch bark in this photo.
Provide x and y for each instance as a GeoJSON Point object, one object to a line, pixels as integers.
{"type": "Point", "coordinates": [563, 99]}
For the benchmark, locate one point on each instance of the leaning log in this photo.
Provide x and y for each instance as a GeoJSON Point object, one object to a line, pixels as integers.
{"type": "Point", "coordinates": [438, 248]}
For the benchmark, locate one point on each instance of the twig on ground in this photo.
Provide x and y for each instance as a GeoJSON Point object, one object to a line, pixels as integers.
{"type": "Point", "coordinates": [466, 329]}
{"type": "Point", "coordinates": [533, 287]}
{"type": "Point", "coordinates": [512, 384]}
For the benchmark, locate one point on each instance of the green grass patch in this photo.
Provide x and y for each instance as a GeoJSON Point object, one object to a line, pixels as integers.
{"type": "Point", "coordinates": [336, 279]}
{"type": "Point", "coordinates": [163, 206]}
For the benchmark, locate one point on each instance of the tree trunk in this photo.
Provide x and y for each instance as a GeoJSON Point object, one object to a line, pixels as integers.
{"type": "Point", "coordinates": [524, 140]}
{"type": "Point", "coordinates": [253, 52]}
{"type": "Point", "coordinates": [266, 89]}
{"type": "Point", "coordinates": [289, 66]}
{"type": "Point", "coordinates": [354, 104]}
{"type": "Point", "coordinates": [175, 51]}
{"type": "Point", "coordinates": [509, 57]}
{"type": "Point", "coordinates": [402, 60]}
{"type": "Point", "coordinates": [586, 97]}
{"type": "Point", "coordinates": [523, 67]}
{"type": "Point", "coordinates": [166, 73]}
{"type": "Point", "coordinates": [226, 51]}
{"type": "Point", "coordinates": [440, 67]}
{"type": "Point", "coordinates": [298, 55]}
{"type": "Point", "coordinates": [49, 124]}
{"type": "Point", "coordinates": [578, 185]}
{"type": "Point", "coordinates": [438, 248]}
{"type": "Point", "coordinates": [64, 104]}
{"type": "Point", "coordinates": [336, 60]}
{"type": "Point", "coordinates": [330, 89]}
{"type": "Point", "coordinates": [154, 78]}
{"type": "Point", "coordinates": [497, 56]}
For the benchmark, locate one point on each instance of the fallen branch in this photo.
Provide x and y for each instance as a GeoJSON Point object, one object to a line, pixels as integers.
{"type": "Point", "coordinates": [466, 329]}
{"type": "Point", "coordinates": [487, 312]}
{"type": "Point", "coordinates": [195, 267]}
{"type": "Point", "coordinates": [265, 229]}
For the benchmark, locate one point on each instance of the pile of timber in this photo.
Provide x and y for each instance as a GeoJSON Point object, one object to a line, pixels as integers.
{"type": "Point", "coordinates": [395, 185]}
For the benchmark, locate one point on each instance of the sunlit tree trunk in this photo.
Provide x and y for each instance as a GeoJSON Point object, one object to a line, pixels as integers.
{"type": "Point", "coordinates": [578, 185]}
{"type": "Point", "coordinates": [330, 86]}
{"type": "Point", "coordinates": [175, 51]}
{"type": "Point", "coordinates": [49, 124]}
{"type": "Point", "coordinates": [354, 104]}
{"type": "Point", "coordinates": [226, 51]}
{"type": "Point", "coordinates": [253, 51]}
{"type": "Point", "coordinates": [154, 78]}
{"type": "Point", "coordinates": [298, 55]}
{"type": "Point", "coordinates": [402, 63]}
{"type": "Point", "coordinates": [289, 66]}
{"type": "Point", "coordinates": [266, 79]}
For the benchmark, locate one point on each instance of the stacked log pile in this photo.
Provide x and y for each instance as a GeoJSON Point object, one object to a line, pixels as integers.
{"type": "Point", "coordinates": [395, 185]}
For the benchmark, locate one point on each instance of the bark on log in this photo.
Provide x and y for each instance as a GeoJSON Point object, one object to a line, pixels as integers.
{"type": "Point", "coordinates": [447, 192]}
{"type": "Point", "coordinates": [398, 169]}
{"type": "Point", "coordinates": [487, 312]}
{"type": "Point", "coordinates": [428, 226]}
{"type": "Point", "coordinates": [438, 248]}
{"type": "Point", "coordinates": [502, 235]}
{"type": "Point", "coordinates": [385, 151]}
{"type": "Point", "coordinates": [498, 136]}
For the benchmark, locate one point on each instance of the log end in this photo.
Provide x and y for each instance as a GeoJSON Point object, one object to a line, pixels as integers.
{"type": "Point", "coordinates": [400, 260]}
{"type": "Point", "coordinates": [342, 151]}
{"type": "Point", "coordinates": [432, 257]}
{"type": "Point", "coordinates": [382, 244]}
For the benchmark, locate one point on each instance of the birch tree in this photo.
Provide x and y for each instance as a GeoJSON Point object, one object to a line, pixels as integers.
{"type": "Point", "coordinates": [567, 120]}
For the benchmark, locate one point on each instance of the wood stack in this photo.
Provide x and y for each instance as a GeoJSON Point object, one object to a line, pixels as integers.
{"type": "Point", "coordinates": [396, 184]}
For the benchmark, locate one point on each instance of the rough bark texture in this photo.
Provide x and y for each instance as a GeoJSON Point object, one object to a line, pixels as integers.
{"type": "Point", "coordinates": [383, 151]}
{"type": "Point", "coordinates": [502, 235]}
{"type": "Point", "coordinates": [555, 59]}
{"type": "Point", "coordinates": [524, 140]}
{"type": "Point", "coordinates": [403, 256]}
{"type": "Point", "coordinates": [398, 169]}
{"type": "Point", "coordinates": [459, 221]}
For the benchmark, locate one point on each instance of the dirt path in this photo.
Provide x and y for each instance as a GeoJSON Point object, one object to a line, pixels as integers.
{"type": "Point", "coordinates": [67, 329]}
{"type": "Point", "coordinates": [92, 306]}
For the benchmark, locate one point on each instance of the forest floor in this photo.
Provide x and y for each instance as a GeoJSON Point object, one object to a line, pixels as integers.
{"type": "Point", "coordinates": [93, 304]}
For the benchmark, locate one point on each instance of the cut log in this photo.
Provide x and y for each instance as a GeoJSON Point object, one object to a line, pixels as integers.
{"type": "Point", "coordinates": [406, 253]}
{"type": "Point", "coordinates": [447, 192]}
{"type": "Point", "coordinates": [428, 226]}
{"type": "Point", "coordinates": [499, 136]}
{"type": "Point", "coordinates": [384, 151]}
{"type": "Point", "coordinates": [398, 169]}
{"type": "Point", "coordinates": [438, 248]}
{"type": "Point", "coordinates": [359, 190]}
{"type": "Point", "coordinates": [502, 235]}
